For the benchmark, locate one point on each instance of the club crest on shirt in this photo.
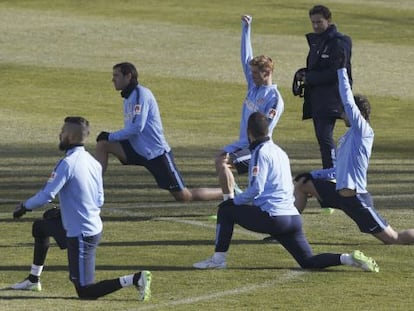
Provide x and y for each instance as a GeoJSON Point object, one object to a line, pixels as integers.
{"type": "Point", "coordinates": [52, 177]}
{"type": "Point", "coordinates": [255, 170]}
{"type": "Point", "coordinates": [137, 109]}
{"type": "Point", "coordinates": [271, 114]}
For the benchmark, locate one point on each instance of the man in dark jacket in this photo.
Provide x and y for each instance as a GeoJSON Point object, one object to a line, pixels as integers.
{"type": "Point", "coordinates": [322, 102]}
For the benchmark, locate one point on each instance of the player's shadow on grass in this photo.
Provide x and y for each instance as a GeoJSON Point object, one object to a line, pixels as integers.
{"type": "Point", "coordinates": [117, 267]}
{"type": "Point", "coordinates": [177, 243]}
{"type": "Point", "coordinates": [42, 297]}
{"type": "Point", "coordinates": [211, 242]}
{"type": "Point", "coordinates": [191, 243]}
{"type": "Point", "coordinates": [19, 297]}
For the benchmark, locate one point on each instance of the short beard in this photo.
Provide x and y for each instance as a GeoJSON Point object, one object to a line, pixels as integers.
{"type": "Point", "coordinates": [63, 145]}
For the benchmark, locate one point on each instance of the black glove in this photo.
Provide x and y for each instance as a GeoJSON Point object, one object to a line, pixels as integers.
{"type": "Point", "coordinates": [298, 86]}
{"type": "Point", "coordinates": [305, 176]}
{"type": "Point", "coordinates": [103, 136]}
{"type": "Point", "coordinates": [227, 203]}
{"type": "Point", "coordinates": [51, 213]}
{"type": "Point", "coordinates": [19, 211]}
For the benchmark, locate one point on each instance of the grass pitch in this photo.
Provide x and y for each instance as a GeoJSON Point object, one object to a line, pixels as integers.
{"type": "Point", "coordinates": [56, 60]}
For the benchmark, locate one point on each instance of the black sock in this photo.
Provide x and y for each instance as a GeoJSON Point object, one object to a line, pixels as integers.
{"type": "Point", "coordinates": [136, 278]}
{"type": "Point", "coordinates": [33, 278]}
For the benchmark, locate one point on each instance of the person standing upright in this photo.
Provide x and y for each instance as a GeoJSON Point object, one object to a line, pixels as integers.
{"type": "Point", "coordinates": [322, 102]}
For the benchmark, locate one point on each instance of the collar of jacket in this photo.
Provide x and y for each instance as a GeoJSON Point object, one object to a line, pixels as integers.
{"type": "Point", "coordinates": [330, 32]}
{"type": "Point", "coordinates": [70, 147]}
{"type": "Point", "coordinates": [257, 142]}
{"type": "Point", "coordinates": [128, 90]}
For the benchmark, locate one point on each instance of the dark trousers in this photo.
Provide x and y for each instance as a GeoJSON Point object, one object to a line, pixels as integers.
{"type": "Point", "coordinates": [324, 128]}
{"type": "Point", "coordinates": [81, 255]}
{"type": "Point", "coordinates": [286, 229]}
{"type": "Point", "coordinates": [42, 230]}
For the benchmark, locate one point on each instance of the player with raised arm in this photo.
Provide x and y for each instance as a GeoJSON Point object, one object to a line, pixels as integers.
{"type": "Point", "coordinates": [350, 193]}
{"type": "Point", "coordinates": [262, 95]}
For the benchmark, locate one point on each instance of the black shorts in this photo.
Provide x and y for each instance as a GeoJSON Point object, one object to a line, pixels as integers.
{"type": "Point", "coordinates": [359, 208]}
{"type": "Point", "coordinates": [163, 167]}
{"type": "Point", "coordinates": [240, 159]}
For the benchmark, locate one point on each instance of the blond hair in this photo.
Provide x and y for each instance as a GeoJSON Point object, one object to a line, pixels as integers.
{"type": "Point", "coordinates": [264, 63]}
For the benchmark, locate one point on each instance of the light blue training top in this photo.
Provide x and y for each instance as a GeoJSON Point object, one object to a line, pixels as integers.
{"type": "Point", "coordinates": [77, 179]}
{"type": "Point", "coordinates": [354, 147]}
{"type": "Point", "coordinates": [264, 98]}
{"type": "Point", "coordinates": [270, 181]}
{"type": "Point", "coordinates": [142, 124]}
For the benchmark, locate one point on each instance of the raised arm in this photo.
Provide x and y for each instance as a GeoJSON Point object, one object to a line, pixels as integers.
{"type": "Point", "coordinates": [246, 52]}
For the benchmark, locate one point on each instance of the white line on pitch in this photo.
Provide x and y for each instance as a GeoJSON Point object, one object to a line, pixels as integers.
{"type": "Point", "coordinates": [284, 278]}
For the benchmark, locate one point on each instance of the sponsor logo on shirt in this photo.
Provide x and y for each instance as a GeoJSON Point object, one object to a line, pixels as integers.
{"type": "Point", "coordinates": [52, 177]}
{"type": "Point", "coordinates": [260, 101]}
{"type": "Point", "coordinates": [255, 170]}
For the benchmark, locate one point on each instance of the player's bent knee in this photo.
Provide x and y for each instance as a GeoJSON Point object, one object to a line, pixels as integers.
{"type": "Point", "coordinates": [182, 196]}
{"type": "Point", "coordinates": [38, 229]}
{"type": "Point", "coordinates": [86, 293]}
{"type": "Point", "coordinates": [389, 236]}
{"type": "Point", "coordinates": [310, 263]}
{"type": "Point", "coordinates": [221, 160]}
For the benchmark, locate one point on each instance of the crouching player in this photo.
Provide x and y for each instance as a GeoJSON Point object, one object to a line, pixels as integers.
{"type": "Point", "coordinates": [267, 206]}
{"type": "Point", "coordinates": [77, 179]}
{"type": "Point", "coordinates": [350, 193]}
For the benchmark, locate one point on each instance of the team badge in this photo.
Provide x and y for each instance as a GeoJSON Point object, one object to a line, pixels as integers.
{"type": "Point", "coordinates": [255, 170]}
{"type": "Point", "coordinates": [137, 109]}
{"type": "Point", "coordinates": [271, 114]}
{"type": "Point", "coordinates": [52, 177]}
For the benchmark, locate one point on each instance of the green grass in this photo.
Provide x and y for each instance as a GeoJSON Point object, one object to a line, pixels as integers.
{"type": "Point", "coordinates": [56, 60]}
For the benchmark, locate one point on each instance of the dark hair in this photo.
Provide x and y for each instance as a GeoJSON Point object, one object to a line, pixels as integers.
{"type": "Point", "coordinates": [128, 68]}
{"type": "Point", "coordinates": [363, 105]}
{"type": "Point", "coordinates": [322, 10]}
{"type": "Point", "coordinates": [82, 123]}
{"type": "Point", "coordinates": [258, 125]}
